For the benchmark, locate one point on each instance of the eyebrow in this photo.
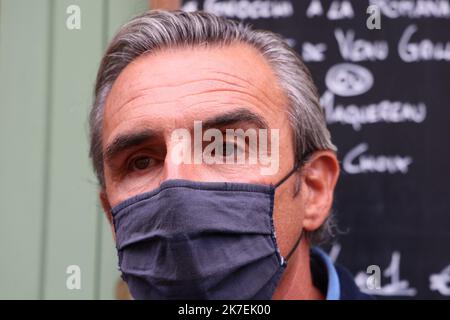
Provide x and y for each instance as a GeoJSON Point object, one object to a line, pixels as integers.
{"type": "Point", "coordinates": [233, 117]}
{"type": "Point", "coordinates": [127, 141]}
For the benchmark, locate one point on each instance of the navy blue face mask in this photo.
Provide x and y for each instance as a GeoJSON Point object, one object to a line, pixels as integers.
{"type": "Point", "coordinates": [200, 240]}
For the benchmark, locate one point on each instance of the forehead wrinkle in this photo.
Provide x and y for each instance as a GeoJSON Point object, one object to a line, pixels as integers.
{"type": "Point", "coordinates": [246, 93]}
{"type": "Point", "coordinates": [235, 101]}
{"type": "Point", "coordinates": [241, 92]}
{"type": "Point", "coordinates": [264, 92]}
{"type": "Point", "coordinates": [141, 93]}
{"type": "Point", "coordinates": [224, 56]}
{"type": "Point", "coordinates": [201, 78]}
{"type": "Point", "coordinates": [242, 87]}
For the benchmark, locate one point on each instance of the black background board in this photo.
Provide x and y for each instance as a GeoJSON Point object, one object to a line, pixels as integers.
{"type": "Point", "coordinates": [393, 135]}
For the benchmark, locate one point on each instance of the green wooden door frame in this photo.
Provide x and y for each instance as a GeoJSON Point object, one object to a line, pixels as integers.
{"type": "Point", "coordinates": [50, 216]}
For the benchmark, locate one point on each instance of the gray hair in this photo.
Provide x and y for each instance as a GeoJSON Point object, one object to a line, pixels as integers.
{"type": "Point", "coordinates": [156, 30]}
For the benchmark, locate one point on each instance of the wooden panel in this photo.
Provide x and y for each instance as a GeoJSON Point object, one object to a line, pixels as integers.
{"type": "Point", "coordinates": [23, 118]}
{"type": "Point", "coordinates": [165, 4]}
{"type": "Point", "coordinates": [50, 216]}
{"type": "Point", "coordinates": [73, 215]}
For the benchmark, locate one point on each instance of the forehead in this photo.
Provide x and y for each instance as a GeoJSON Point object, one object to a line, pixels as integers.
{"type": "Point", "coordinates": [168, 87]}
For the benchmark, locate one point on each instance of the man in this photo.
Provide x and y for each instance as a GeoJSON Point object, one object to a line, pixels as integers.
{"type": "Point", "coordinates": [215, 165]}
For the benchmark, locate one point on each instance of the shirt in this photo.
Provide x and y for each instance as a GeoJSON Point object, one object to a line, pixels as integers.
{"type": "Point", "coordinates": [334, 281]}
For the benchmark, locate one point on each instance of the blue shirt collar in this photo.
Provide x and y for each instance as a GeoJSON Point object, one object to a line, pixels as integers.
{"type": "Point", "coordinates": [333, 291]}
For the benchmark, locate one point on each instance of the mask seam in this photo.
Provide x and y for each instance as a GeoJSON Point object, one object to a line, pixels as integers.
{"type": "Point", "coordinates": [272, 234]}
{"type": "Point", "coordinates": [277, 280]}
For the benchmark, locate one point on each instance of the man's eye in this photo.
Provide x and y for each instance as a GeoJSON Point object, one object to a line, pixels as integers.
{"type": "Point", "coordinates": [229, 149]}
{"type": "Point", "coordinates": [140, 163]}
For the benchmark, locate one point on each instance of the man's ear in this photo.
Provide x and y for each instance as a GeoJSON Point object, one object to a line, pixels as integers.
{"type": "Point", "coordinates": [319, 175]}
{"type": "Point", "coordinates": [107, 209]}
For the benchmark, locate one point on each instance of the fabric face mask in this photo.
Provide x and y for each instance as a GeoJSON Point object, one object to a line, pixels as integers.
{"type": "Point", "coordinates": [200, 240]}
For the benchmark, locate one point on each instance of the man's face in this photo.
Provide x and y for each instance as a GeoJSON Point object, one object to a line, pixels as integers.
{"type": "Point", "coordinates": [226, 88]}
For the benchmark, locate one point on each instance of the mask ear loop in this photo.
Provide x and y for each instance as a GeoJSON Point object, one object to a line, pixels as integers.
{"type": "Point", "coordinates": [279, 183]}
{"type": "Point", "coordinates": [295, 246]}
{"type": "Point", "coordinates": [305, 157]}
{"type": "Point", "coordinates": [297, 165]}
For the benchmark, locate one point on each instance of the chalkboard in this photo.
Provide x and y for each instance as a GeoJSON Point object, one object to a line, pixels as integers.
{"type": "Point", "coordinates": [383, 72]}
